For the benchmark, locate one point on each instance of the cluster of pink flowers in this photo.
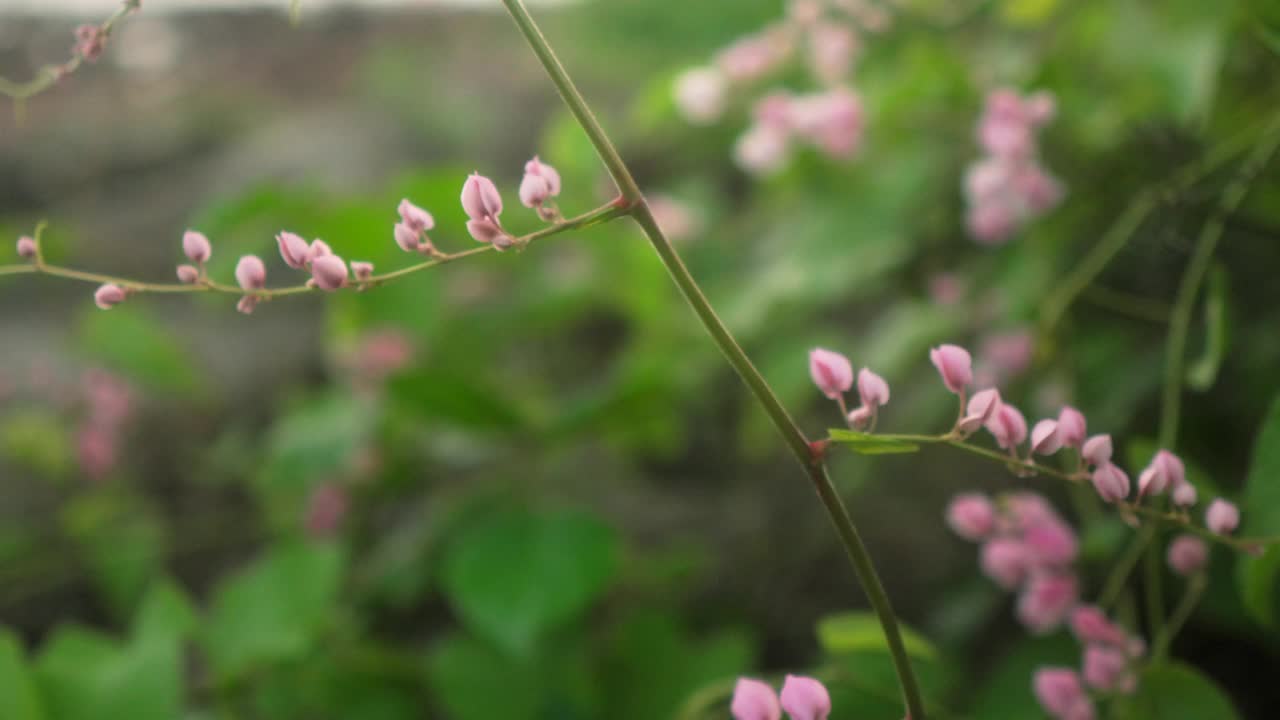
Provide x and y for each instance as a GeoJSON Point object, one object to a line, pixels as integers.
{"type": "Point", "coordinates": [108, 405]}
{"type": "Point", "coordinates": [833, 374]}
{"type": "Point", "coordinates": [1107, 665]}
{"type": "Point", "coordinates": [828, 33]}
{"type": "Point", "coordinates": [1009, 187]}
{"type": "Point", "coordinates": [802, 698]}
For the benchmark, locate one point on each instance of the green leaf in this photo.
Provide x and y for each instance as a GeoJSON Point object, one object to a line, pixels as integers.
{"type": "Point", "coordinates": [275, 609]}
{"type": "Point", "coordinates": [19, 699]}
{"type": "Point", "coordinates": [128, 339]}
{"type": "Point", "coordinates": [1202, 373]}
{"type": "Point", "coordinates": [476, 682]}
{"type": "Point", "coordinates": [39, 440]}
{"type": "Point", "coordinates": [121, 540]}
{"type": "Point", "coordinates": [1259, 577]}
{"type": "Point", "coordinates": [1176, 692]}
{"type": "Point", "coordinates": [858, 631]}
{"type": "Point", "coordinates": [868, 444]}
{"type": "Point", "coordinates": [166, 612]}
{"type": "Point", "coordinates": [516, 575]}
{"type": "Point", "coordinates": [87, 676]}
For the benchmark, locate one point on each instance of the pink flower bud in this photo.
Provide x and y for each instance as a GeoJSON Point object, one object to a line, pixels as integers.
{"type": "Point", "coordinates": [108, 296]}
{"type": "Point", "coordinates": [487, 231]}
{"type": "Point", "coordinates": [981, 407]}
{"type": "Point", "coordinates": [860, 417]}
{"type": "Point", "coordinates": [754, 700]}
{"type": "Point", "coordinates": [1061, 695]}
{"type": "Point", "coordinates": [1005, 561]}
{"type": "Point", "coordinates": [831, 372]}
{"type": "Point", "coordinates": [319, 248]}
{"type": "Point", "coordinates": [1045, 602]}
{"type": "Point", "coordinates": [1105, 668]}
{"type": "Point", "coordinates": [196, 246]}
{"type": "Point", "coordinates": [1071, 427]}
{"type": "Point", "coordinates": [1222, 517]}
{"type": "Point", "coordinates": [1111, 482]}
{"type": "Point", "coordinates": [1027, 509]}
{"type": "Point", "coordinates": [954, 365]}
{"type": "Point", "coordinates": [329, 272]}
{"type": "Point", "coordinates": [247, 304]}
{"type": "Point", "coordinates": [407, 238]}
{"type": "Point", "coordinates": [188, 274]}
{"type": "Point", "coordinates": [1184, 494]}
{"type": "Point", "coordinates": [27, 248]}
{"type": "Point", "coordinates": [480, 199]}
{"type": "Point", "coordinates": [749, 58]}
{"type": "Point", "coordinates": [762, 150]}
{"type": "Point", "coordinates": [541, 181]}
{"type": "Point", "coordinates": [293, 249]}
{"type": "Point", "coordinates": [804, 698]}
{"type": "Point", "coordinates": [362, 270]}
{"type": "Point", "coordinates": [872, 389]}
{"type": "Point", "coordinates": [1051, 543]}
{"type": "Point", "coordinates": [251, 273]}
{"type": "Point", "coordinates": [1091, 627]}
{"type": "Point", "coordinates": [701, 95]}
{"type": "Point", "coordinates": [971, 516]}
{"type": "Point", "coordinates": [991, 222]}
{"type": "Point", "coordinates": [1045, 439]}
{"type": "Point", "coordinates": [1097, 450]}
{"type": "Point", "coordinates": [414, 217]}
{"type": "Point", "coordinates": [1007, 426]}
{"type": "Point", "coordinates": [1166, 470]}
{"type": "Point", "coordinates": [1188, 555]}
{"type": "Point", "coordinates": [90, 42]}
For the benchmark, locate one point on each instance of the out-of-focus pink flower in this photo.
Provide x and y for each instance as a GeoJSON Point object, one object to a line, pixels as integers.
{"type": "Point", "coordinates": [295, 251]}
{"type": "Point", "coordinates": [804, 698]}
{"type": "Point", "coordinates": [1097, 450]}
{"type": "Point", "coordinates": [1061, 694]}
{"type": "Point", "coordinates": [188, 274]}
{"type": "Point", "coordinates": [832, 121]}
{"type": "Point", "coordinates": [247, 304]}
{"type": "Point", "coordinates": [1009, 353]}
{"type": "Point", "coordinates": [971, 516]}
{"type": "Point", "coordinates": [754, 700]}
{"type": "Point", "coordinates": [1222, 517]}
{"type": "Point", "coordinates": [946, 288]}
{"type": "Point", "coordinates": [1007, 426]}
{"type": "Point", "coordinates": [96, 451]}
{"type": "Point", "coordinates": [1184, 494]}
{"type": "Point", "coordinates": [1051, 543]}
{"type": "Point", "coordinates": [1106, 668]}
{"type": "Point", "coordinates": [954, 365]}
{"type": "Point", "coordinates": [362, 270]}
{"type": "Point", "coordinates": [832, 47]}
{"type": "Point", "coordinates": [872, 389]}
{"type": "Point", "coordinates": [831, 372]}
{"type": "Point", "coordinates": [1006, 561]}
{"type": "Point", "coordinates": [978, 412]}
{"type": "Point", "coordinates": [326, 509]}
{"type": "Point", "coordinates": [90, 42]}
{"type": "Point", "coordinates": [1071, 427]}
{"type": "Point", "coordinates": [1091, 627]}
{"type": "Point", "coordinates": [196, 247]}
{"type": "Point", "coordinates": [382, 353]}
{"type": "Point", "coordinates": [251, 274]}
{"type": "Point", "coordinates": [329, 272]}
{"type": "Point", "coordinates": [677, 220]}
{"type": "Point", "coordinates": [762, 150]}
{"type": "Point", "coordinates": [27, 248]}
{"type": "Point", "coordinates": [701, 95]}
{"type": "Point", "coordinates": [991, 223]}
{"type": "Point", "coordinates": [1046, 600]}
{"type": "Point", "coordinates": [1111, 482]}
{"type": "Point", "coordinates": [860, 417]}
{"type": "Point", "coordinates": [752, 57]}
{"type": "Point", "coordinates": [1165, 471]}
{"type": "Point", "coordinates": [109, 295]}
{"type": "Point", "coordinates": [1188, 555]}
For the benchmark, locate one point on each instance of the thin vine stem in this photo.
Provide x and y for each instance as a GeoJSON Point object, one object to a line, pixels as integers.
{"type": "Point", "coordinates": [809, 458]}
{"type": "Point", "coordinates": [49, 75]}
{"type": "Point", "coordinates": [1181, 613]}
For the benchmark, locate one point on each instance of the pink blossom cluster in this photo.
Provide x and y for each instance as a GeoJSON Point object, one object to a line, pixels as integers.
{"type": "Point", "coordinates": [833, 374]}
{"type": "Point", "coordinates": [1108, 665]}
{"type": "Point", "coordinates": [108, 405]}
{"type": "Point", "coordinates": [802, 698]}
{"type": "Point", "coordinates": [826, 36]}
{"type": "Point", "coordinates": [1008, 187]}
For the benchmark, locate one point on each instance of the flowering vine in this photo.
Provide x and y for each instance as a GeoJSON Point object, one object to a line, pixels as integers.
{"type": "Point", "coordinates": [91, 41]}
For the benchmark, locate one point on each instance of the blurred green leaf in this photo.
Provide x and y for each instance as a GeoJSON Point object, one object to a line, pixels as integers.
{"type": "Point", "coordinates": [133, 342]}
{"type": "Point", "coordinates": [1027, 13]}
{"type": "Point", "coordinates": [858, 631]}
{"type": "Point", "coordinates": [166, 612]}
{"type": "Point", "coordinates": [38, 439]}
{"type": "Point", "coordinates": [515, 575]}
{"type": "Point", "coordinates": [1259, 577]}
{"type": "Point", "coordinates": [1174, 691]}
{"type": "Point", "coordinates": [315, 441]}
{"type": "Point", "coordinates": [869, 444]}
{"type": "Point", "coordinates": [19, 699]}
{"type": "Point", "coordinates": [465, 400]}
{"type": "Point", "coordinates": [476, 682]}
{"type": "Point", "coordinates": [1005, 690]}
{"type": "Point", "coordinates": [87, 676]}
{"type": "Point", "coordinates": [1203, 371]}
{"type": "Point", "coordinates": [121, 540]}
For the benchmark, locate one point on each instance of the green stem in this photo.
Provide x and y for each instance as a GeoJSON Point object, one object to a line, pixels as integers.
{"type": "Point", "coordinates": [1182, 613]}
{"type": "Point", "coordinates": [791, 433]}
{"type": "Point", "coordinates": [1115, 583]}
{"type": "Point", "coordinates": [49, 75]}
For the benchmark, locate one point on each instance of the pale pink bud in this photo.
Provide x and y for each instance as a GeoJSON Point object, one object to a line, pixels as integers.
{"type": "Point", "coordinates": [534, 190]}
{"type": "Point", "coordinates": [1071, 427]}
{"type": "Point", "coordinates": [872, 389]}
{"type": "Point", "coordinates": [1184, 494]}
{"type": "Point", "coordinates": [831, 50]}
{"type": "Point", "coordinates": [251, 273]}
{"type": "Point", "coordinates": [407, 238]}
{"type": "Point", "coordinates": [762, 150]}
{"type": "Point", "coordinates": [196, 246]}
{"type": "Point", "coordinates": [1006, 561]}
{"type": "Point", "coordinates": [991, 222]}
{"type": "Point", "coordinates": [1027, 509]}
{"type": "Point", "coordinates": [1045, 439]}
{"type": "Point", "coordinates": [293, 249]}
{"type": "Point", "coordinates": [835, 122]}
{"type": "Point", "coordinates": [981, 407]}
{"type": "Point", "coordinates": [487, 231]}
{"type": "Point", "coordinates": [1222, 517]}
{"type": "Point", "coordinates": [774, 111]}
{"type": "Point", "coordinates": [26, 247]}
{"type": "Point", "coordinates": [188, 274]}
{"type": "Point", "coordinates": [319, 248]}
{"type": "Point", "coordinates": [1091, 626]}
{"type": "Point", "coordinates": [90, 42]}
{"type": "Point", "coordinates": [362, 270]}
{"type": "Point", "coordinates": [1038, 190]}
{"type": "Point", "coordinates": [986, 180]}
{"type": "Point", "coordinates": [1111, 482]}
{"type": "Point", "coordinates": [1008, 353]}
{"type": "Point", "coordinates": [550, 186]}
{"type": "Point", "coordinates": [1166, 470]}
{"type": "Point", "coordinates": [1007, 426]}
{"type": "Point", "coordinates": [860, 417]}
{"type": "Point", "coordinates": [1188, 555]}
{"type": "Point", "coordinates": [1097, 450]}
{"type": "Point", "coordinates": [954, 365]}
{"type": "Point", "coordinates": [1105, 668]}
{"type": "Point", "coordinates": [1061, 695]}
{"type": "Point", "coordinates": [329, 272]}
{"type": "Point", "coordinates": [749, 58]}
{"type": "Point", "coordinates": [414, 217]}
{"type": "Point", "coordinates": [804, 698]}
{"type": "Point", "coordinates": [1051, 543]}
{"type": "Point", "coordinates": [247, 304]}
{"type": "Point", "coordinates": [754, 700]}
{"type": "Point", "coordinates": [1045, 602]}
{"type": "Point", "coordinates": [701, 95]}
{"type": "Point", "coordinates": [971, 516]}
{"type": "Point", "coordinates": [480, 198]}
{"type": "Point", "coordinates": [831, 372]}
{"type": "Point", "coordinates": [108, 296]}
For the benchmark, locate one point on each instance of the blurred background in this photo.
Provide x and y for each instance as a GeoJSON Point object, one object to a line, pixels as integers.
{"type": "Point", "coordinates": [527, 485]}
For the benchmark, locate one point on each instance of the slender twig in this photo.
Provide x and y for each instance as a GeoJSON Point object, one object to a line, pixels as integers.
{"type": "Point", "coordinates": [810, 459]}
{"type": "Point", "coordinates": [600, 215]}
{"type": "Point", "coordinates": [49, 75]}
{"type": "Point", "coordinates": [1114, 585]}
{"type": "Point", "coordinates": [1181, 613]}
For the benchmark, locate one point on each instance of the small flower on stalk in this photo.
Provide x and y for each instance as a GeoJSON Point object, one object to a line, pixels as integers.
{"type": "Point", "coordinates": [109, 295]}
{"type": "Point", "coordinates": [480, 198]}
{"type": "Point", "coordinates": [954, 365]}
{"type": "Point", "coordinates": [1222, 517]}
{"type": "Point", "coordinates": [90, 42]}
{"type": "Point", "coordinates": [1071, 427]}
{"type": "Point", "coordinates": [188, 274]}
{"type": "Point", "coordinates": [1107, 668]}
{"type": "Point", "coordinates": [1045, 438]}
{"type": "Point", "coordinates": [804, 698]}
{"type": "Point", "coordinates": [1046, 600]}
{"type": "Point", "coordinates": [831, 372]}
{"type": "Point", "coordinates": [1111, 482]}
{"type": "Point", "coordinates": [754, 700]}
{"type": "Point", "coordinates": [541, 182]}
{"type": "Point", "coordinates": [860, 417]}
{"type": "Point", "coordinates": [488, 231]}
{"type": "Point", "coordinates": [1165, 471]}
{"type": "Point", "coordinates": [414, 217]}
{"type": "Point", "coordinates": [27, 248]}
{"type": "Point", "coordinates": [1005, 561]}
{"type": "Point", "coordinates": [251, 274]}
{"type": "Point", "coordinates": [981, 407]}
{"type": "Point", "coordinates": [971, 516]}
{"type": "Point", "coordinates": [362, 270]}
{"type": "Point", "coordinates": [293, 249]}
{"type": "Point", "coordinates": [329, 272]}
{"type": "Point", "coordinates": [1097, 450]}
{"type": "Point", "coordinates": [319, 248]}
{"type": "Point", "coordinates": [1007, 426]}
{"type": "Point", "coordinates": [1061, 694]}
{"type": "Point", "coordinates": [1184, 494]}
{"type": "Point", "coordinates": [196, 247]}
{"type": "Point", "coordinates": [1188, 555]}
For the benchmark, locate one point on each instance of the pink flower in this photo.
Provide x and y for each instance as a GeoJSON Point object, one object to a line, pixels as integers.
{"type": "Point", "coordinates": [251, 274]}
{"type": "Point", "coordinates": [487, 231]}
{"type": "Point", "coordinates": [762, 150]}
{"type": "Point", "coordinates": [90, 42]}
{"type": "Point", "coordinates": [831, 372]}
{"type": "Point", "coordinates": [197, 247]}
{"type": "Point", "coordinates": [540, 182]}
{"type": "Point", "coordinates": [805, 698]}
{"type": "Point", "coordinates": [1071, 427]}
{"type": "Point", "coordinates": [1097, 450]}
{"type": "Point", "coordinates": [981, 407]}
{"type": "Point", "coordinates": [1045, 439]}
{"type": "Point", "coordinates": [1184, 494]}
{"type": "Point", "coordinates": [831, 121]}
{"type": "Point", "coordinates": [831, 50]}
{"type": "Point", "coordinates": [1188, 555]}
{"type": "Point", "coordinates": [293, 249]}
{"type": "Point", "coordinates": [247, 304]}
{"type": "Point", "coordinates": [1222, 517]}
{"type": "Point", "coordinates": [362, 270]}
{"type": "Point", "coordinates": [1027, 509]}
{"type": "Point", "coordinates": [749, 58]}
{"type": "Point", "coordinates": [1091, 627]}
{"type": "Point", "coordinates": [1005, 561]}
{"type": "Point", "coordinates": [701, 95]}
{"type": "Point", "coordinates": [414, 217]}
{"type": "Point", "coordinates": [188, 274]}
{"type": "Point", "coordinates": [872, 389]}
{"type": "Point", "coordinates": [1051, 543]}
{"type": "Point", "coordinates": [1046, 600]}
{"type": "Point", "coordinates": [971, 516]}
{"type": "Point", "coordinates": [1061, 695]}
{"type": "Point", "coordinates": [329, 272]}
{"type": "Point", "coordinates": [407, 238]}
{"type": "Point", "coordinates": [480, 198]}
{"type": "Point", "coordinates": [108, 296]}
{"type": "Point", "coordinates": [27, 248]}
{"type": "Point", "coordinates": [991, 222]}
{"type": "Point", "coordinates": [754, 700]}
{"type": "Point", "coordinates": [1166, 470]}
{"type": "Point", "coordinates": [954, 365]}
{"type": "Point", "coordinates": [1007, 426]}
{"type": "Point", "coordinates": [1111, 482]}
{"type": "Point", "coordinates": [1106, 668]}
{"type": "Point", "coordinates": [319, 248]}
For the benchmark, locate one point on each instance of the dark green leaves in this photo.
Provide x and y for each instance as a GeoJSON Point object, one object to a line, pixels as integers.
{"type": "Point", "coordinates": [1259, 577]}
{"type": "Point", "coordinates": [1176, 692]}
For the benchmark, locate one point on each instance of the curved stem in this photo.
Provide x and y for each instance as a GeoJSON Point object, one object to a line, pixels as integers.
{"type": "Point", "coordinates": [1182, 613]}
{"type": "Point", "coordinates": [49, 75]}
{"type": "Point", "coordinates": [808, 457]}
